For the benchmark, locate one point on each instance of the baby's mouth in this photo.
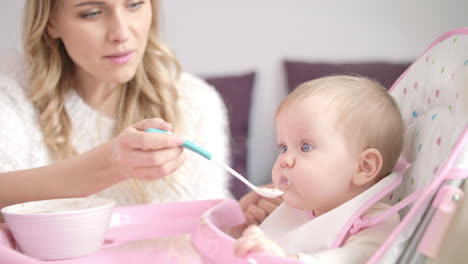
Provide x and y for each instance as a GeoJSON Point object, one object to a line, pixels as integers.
{"type": "Point", "coordinates": [283, 183]}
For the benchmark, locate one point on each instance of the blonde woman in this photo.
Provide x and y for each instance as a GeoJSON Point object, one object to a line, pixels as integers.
{"type": "Point", "coordinates": [73, 122]}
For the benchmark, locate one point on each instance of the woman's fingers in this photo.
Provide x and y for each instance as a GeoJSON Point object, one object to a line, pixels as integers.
{"type": "Point", "coordinates": [157, 172]}
{"type": "Point", "coordinates": [155, 158]}
{"type": "Point", "coordinates": [148, 155]}
{"type": "Point", "coordinates": [153, 123]}
{"type": "Point", "coordinates": [136, 137]}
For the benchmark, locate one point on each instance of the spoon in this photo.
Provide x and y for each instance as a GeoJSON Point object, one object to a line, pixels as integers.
{"type": "Point", "coordinates": [263, 191]}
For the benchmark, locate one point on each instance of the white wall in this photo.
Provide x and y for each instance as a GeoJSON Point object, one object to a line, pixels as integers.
{"type": "Point", "coordinates": [10, 32]}
{"type": "Point", "coordinates": [215, 36]}
{"type": "Point", "coordinates": [222, 37]}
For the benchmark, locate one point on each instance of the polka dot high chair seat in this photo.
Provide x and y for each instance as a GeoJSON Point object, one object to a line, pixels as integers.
{"type": "Point", "coordinates": [433, 97]}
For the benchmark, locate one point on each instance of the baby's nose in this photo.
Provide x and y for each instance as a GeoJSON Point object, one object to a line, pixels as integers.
{"type": "Point", "coordinates": [288, 160]}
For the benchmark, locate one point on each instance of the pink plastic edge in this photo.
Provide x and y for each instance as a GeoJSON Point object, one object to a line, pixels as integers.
{"type": "Point", "coordinates": [213, 245]}
{"type": "Point", "coordinates": [463, 140]}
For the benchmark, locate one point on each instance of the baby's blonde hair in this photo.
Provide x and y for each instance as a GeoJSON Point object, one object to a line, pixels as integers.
{"type": "Point", "coordinates": [365, 113]}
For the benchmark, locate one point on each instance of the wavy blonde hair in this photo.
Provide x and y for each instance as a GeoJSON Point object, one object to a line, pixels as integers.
{"type": "Point", "coordinates": [150, 93]}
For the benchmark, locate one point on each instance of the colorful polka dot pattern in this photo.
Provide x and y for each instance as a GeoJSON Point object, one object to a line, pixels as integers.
{"type": "Point", "coordinates": [429, 107]}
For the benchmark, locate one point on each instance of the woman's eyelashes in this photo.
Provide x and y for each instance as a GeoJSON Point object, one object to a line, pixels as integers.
{"type": "Point", "coordinates": [95, 13]}
{"type": "Point", "coordinates": [135, 5]}
{"type": "Point", "coordinates": [91, 14]}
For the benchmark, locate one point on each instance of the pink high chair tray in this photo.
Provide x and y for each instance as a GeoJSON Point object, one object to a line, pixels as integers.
{"type": "Point", "coordinates": [183, 232]}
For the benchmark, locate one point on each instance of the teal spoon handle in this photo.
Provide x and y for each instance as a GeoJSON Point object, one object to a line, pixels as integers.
{"type": "Point", "coordinates": [187, 144]}
{"type": "Point", "coordinates": [267, 192]}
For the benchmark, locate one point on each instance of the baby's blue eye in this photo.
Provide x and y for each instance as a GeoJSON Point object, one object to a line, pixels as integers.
{"type": "Point", "coordinates": [283, 148]}
{"type": "Point", "coordinates": [306, 147]}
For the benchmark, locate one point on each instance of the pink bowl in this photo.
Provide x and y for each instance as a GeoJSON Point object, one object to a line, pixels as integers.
{"type": "Point", "coordinates": [59, 228]}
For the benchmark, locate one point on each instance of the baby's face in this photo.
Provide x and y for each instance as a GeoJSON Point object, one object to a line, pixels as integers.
{"type": "Point", "coordinates": [316, 164]}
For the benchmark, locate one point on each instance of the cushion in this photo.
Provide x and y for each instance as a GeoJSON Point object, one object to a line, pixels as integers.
{"type": "Point", "coordinates": [385, 73]}
{"type": "Point", "coordinates": [236, 91]}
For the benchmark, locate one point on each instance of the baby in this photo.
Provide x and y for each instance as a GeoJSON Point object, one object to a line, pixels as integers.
{"type": "Point", "coordinates": [338, 137]}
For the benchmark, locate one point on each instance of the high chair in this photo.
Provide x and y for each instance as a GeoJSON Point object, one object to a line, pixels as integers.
{"type": "Point", "coordinates": [433, 97]}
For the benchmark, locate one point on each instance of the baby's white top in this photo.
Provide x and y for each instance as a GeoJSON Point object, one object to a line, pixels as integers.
{"type": "Point", "coordinates": [204, 121]}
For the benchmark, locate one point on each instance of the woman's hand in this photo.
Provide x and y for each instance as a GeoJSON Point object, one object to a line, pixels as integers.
{"type": "Point", "coordinates": [147, 156]}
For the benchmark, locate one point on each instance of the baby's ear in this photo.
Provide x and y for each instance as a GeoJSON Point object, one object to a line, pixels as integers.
{"type": "Point", "coordinates": [370, 164]}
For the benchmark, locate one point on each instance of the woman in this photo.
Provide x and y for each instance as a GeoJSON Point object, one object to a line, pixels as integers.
{"type": "Point", "coordinates": [73, 127]}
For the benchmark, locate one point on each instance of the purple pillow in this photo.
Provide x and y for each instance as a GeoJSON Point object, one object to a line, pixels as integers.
{"type": "Point", "coordinates": [385, 73]}
{"type": "Point", "coordinates": [236, 91]}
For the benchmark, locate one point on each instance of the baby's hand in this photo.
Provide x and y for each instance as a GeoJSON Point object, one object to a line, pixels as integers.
{"type": "Point", "coordinates": [253, 240]}
{"type": "Point", "coordinates": [256, 208]}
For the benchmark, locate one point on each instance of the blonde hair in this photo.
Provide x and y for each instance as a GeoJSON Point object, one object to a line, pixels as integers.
{"type": "Point", "coordinates": [365, 113]}
{"type": "Point", "coordinates": [150, 93]}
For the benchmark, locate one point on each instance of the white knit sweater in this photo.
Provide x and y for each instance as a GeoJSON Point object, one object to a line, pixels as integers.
{"type": "Point", "coordinates": [204, 121]}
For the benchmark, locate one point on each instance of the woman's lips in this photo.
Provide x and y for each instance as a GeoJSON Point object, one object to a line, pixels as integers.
{"type": "Point", "coordinates": [120, 58]}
